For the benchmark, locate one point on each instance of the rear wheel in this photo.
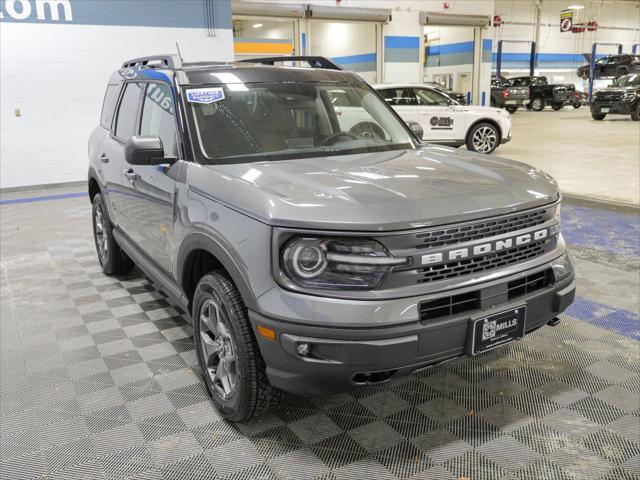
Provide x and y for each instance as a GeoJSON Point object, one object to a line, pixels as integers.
{"type": "Point", "coordinates": [557, 106]}
{"type": "Point", "coordinates": [483, 138]}
{"type": "Point", "coordinates": [585, 74]}
{"type": "Point", "coordinates": [635, 115]}
{"type": "Point", "coordinates": [234, 371]}
{"type": "Point", "coordinates": [598, 116]}
{"type": "Point", "coordinates": [537, 104]}
{"type": "Point", "coordinates": [577, 105]}
{"type": "Point", "coordinates": [512, 109]}
{"type": "Point", "coordinates": [112, 259]}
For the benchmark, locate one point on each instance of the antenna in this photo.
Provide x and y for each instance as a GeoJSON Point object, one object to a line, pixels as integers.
{"type": "Point", "coordinates": [179, 54]}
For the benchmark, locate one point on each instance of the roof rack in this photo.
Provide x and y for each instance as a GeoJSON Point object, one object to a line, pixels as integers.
{"type": "Point", "coordinates": [167, 61]}
{"type": "Point", "coordinates": [313, 61]}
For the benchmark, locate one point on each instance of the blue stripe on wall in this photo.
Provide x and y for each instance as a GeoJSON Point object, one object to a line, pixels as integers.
{"type": "Point", "coordinates": [43, 198]}
{"type": "Point", "coordinates": [365, 62]}
{"type": "Point", "coordinates": [394, 41]}
{"type": "Point", "coordinates": [398, 49]}
{"type": "Point", "coordinates": [148, 13]}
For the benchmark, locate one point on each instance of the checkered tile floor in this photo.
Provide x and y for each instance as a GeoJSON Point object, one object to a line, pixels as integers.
{"type": "Point", "coordinates": [99, 380]}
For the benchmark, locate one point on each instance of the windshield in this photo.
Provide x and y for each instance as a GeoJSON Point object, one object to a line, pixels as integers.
{"type": "Point", "coordinates": [239, 123]}
{"type": "Point", "coordinates": [627, 81]}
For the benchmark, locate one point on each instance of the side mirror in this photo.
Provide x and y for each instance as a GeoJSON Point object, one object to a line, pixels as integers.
{"type": "Point", "coordinates": [416, 128]}
{"type": "Point", "coordinates": [144, 150]}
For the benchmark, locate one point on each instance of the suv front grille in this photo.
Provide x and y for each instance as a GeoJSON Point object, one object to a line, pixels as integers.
{"type": "Point", "coordinates": [609, 96]}
{"type": "Point", "coordinates": [490, 261]}
{"type": "Point", "coordinates": [484, 229]}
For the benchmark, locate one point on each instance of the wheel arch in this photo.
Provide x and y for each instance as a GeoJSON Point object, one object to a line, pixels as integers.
{"type": "Point", "coordinates": [199, 254]}
{"type": "Point", "coordinates": [489, 120]}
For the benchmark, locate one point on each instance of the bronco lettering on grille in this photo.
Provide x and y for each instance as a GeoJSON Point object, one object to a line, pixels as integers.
{"type": "Point", "coordinates": [484, 248]}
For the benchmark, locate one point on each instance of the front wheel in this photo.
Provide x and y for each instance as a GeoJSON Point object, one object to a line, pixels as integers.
{"type": "Point", "coordinates": [577, 105]}
{"type": "Point", "coordinates": [483, 138]}
{"type": "Point", "coordinates": [598, 116]}
{"type": "Point", "coordinates": [557, 106]}
{"type": "Point", "coordinates": [233, 368]}
{"type": "Point", "coordinates": [512, 109]}
{"type": "Point", "coordinates": [635, 115]}
{"type": "Point", "coordinates": [537, 104]}
{"type": "Point", "coordinates": [112, 259]}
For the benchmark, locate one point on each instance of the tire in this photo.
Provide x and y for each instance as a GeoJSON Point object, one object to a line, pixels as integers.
{"type": "Point", "coordinates": [585, 74]}
{"type": "Point", "coordinates": [223, 336]}
{"type": "Point", "coordinates": [598, 116]}
{"type": "Point", "coordinates": [620, 72]}
{"type": "Point", "coordinates": [576, 105]}
{"type": "Point", "coordinates": [492, 102]}
{"type": "Point", "coordinates": [512, 109]}
{"type": "Point", "coordinates": [635, 115]}
{"type": "Point", "coordinates": [557, 106]}
{"type": "Point", "coordinates": [483, 138]}
{"type": "Point", "coordinates": [112, 259]}
{"type": "Point", "coordinates": [537, 104]}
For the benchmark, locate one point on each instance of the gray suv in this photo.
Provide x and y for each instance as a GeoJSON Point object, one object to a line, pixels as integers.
{"type": "Point", "coordinates": [314, 257]}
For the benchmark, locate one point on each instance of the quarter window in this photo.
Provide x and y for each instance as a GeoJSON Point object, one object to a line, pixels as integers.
{"type": "Point", "coordinates": [158, 116]}
{"type": "Point", "coordinates": [128, 111]}
{"type": "Point", "coordinates": [398, 96]}
{"type": "Point", "coordinates": [109, 105]}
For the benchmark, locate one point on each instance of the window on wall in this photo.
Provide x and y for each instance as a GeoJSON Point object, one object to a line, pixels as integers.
{"type": "Point", "coordinates": [158, 116]}
{"type": "Point", "coordinates": [128, 111]}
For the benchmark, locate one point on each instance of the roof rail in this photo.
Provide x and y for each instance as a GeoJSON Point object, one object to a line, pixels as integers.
{"type": "Point", "coordinates": [313, 61]}
{"type": "Point", "coordinates": [168, 61]}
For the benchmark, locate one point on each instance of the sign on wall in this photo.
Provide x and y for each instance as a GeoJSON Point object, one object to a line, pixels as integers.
{"type": "Point", "coordinates": [566, 20]}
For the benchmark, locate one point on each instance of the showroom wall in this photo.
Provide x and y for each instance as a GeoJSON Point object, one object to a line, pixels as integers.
{"type": "Point", "coordinates": [56, 57]}
{"type": "Point", "coordinates": [559, 54]}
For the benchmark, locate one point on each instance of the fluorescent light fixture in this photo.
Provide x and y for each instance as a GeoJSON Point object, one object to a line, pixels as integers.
{"type": "Point", "coordinates": [258, 25]}
{"type": "Point", "coordinates": [575, 7]}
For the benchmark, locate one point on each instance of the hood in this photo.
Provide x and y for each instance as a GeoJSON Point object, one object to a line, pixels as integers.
{"type": "Point", "coordinates": [631, 88]}
{"type": "Point", "coordinates": [382, 191]}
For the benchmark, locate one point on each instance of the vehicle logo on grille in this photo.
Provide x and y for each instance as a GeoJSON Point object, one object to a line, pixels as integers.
{"type": "Point", "coordinates": [489, 249]}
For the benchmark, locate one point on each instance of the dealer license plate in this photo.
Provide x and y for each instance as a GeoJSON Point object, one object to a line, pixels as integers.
{"type": "Point", "coordinates": [498, 329]}
{"type": "Point", "coordinates": [604, 110]}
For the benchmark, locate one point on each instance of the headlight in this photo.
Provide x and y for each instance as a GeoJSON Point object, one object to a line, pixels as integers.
{"type": "Point", "coordinates": [337, 263]}
{"type": "Point", "coordinates": [562, 266]}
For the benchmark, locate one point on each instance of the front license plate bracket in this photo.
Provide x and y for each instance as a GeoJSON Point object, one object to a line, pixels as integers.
{"type": "Point", "coordinates": [493, 331]}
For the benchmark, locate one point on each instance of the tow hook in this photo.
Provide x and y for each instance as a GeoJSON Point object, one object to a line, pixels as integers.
{"type": "Point", "coordinates": [554, 322]}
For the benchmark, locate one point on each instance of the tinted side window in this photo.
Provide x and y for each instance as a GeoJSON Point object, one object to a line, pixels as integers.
{"type": "Point", "coordinates": [430, 97]}
{"type": "Point", "coordinates": [158, 116]}
{"type": "Point", "coordinates": [109, 105]}
{"type": "Point", "coordinates": [399, 96]}
{"type": "Point", "coordinates": [128, 111]}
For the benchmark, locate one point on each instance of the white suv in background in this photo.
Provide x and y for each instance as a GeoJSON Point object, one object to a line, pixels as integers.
{"type": "Point", "coordinates": [445, 121]}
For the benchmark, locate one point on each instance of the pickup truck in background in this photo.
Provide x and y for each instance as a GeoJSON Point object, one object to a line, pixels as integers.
{"type": "Point", "coordinates": [541, 93]}
{"type": "Point", "coordinates": [511, 98]}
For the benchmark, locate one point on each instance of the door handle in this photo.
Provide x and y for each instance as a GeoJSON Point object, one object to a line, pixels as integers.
{"type": "Point", "coordinates": [131, 175]}
{"type": "Point", "coordinates": [104, 158]}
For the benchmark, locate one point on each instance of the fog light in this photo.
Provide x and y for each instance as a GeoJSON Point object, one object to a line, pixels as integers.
{"type": "Point", "coordinates": [304, 349]}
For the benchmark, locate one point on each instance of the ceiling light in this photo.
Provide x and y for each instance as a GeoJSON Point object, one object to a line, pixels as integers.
{"type": "Point", "coordinates": [575, 7]}
{"type": "Point", "coordinates": [258, 25]}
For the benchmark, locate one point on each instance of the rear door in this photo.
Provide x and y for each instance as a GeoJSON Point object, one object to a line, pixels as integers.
{"type": "Point", "coordinates": [111, 154]}
{"type": "Point", "coordinates": [439, 118]}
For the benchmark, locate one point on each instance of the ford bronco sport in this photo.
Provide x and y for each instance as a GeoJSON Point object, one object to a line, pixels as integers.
{"type": "Point", "coordinates": [313, 258]}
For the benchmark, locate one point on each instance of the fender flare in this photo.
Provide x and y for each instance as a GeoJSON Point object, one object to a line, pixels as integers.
{"type": "Point", "coordinates": [202, 241]}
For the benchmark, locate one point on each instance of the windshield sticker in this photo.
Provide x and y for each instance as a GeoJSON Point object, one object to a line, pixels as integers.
{"type": "Point", "coordinates": [205, 95]}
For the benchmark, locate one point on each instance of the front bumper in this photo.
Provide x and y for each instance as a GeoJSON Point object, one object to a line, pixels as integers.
{"type": "Point", "coordinates": [351, 356]}
{"type": "Point", "coordinates": [621, 108]}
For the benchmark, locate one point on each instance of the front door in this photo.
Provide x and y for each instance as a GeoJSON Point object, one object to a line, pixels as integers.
{"type": "Point", "coordinates": [151, 188]}
{"type": "Point", "coordinates": [440, 119]}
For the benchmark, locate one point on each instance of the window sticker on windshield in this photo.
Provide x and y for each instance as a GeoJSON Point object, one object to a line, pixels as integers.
{"type": "Point", "coordinates": [205, 95]}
